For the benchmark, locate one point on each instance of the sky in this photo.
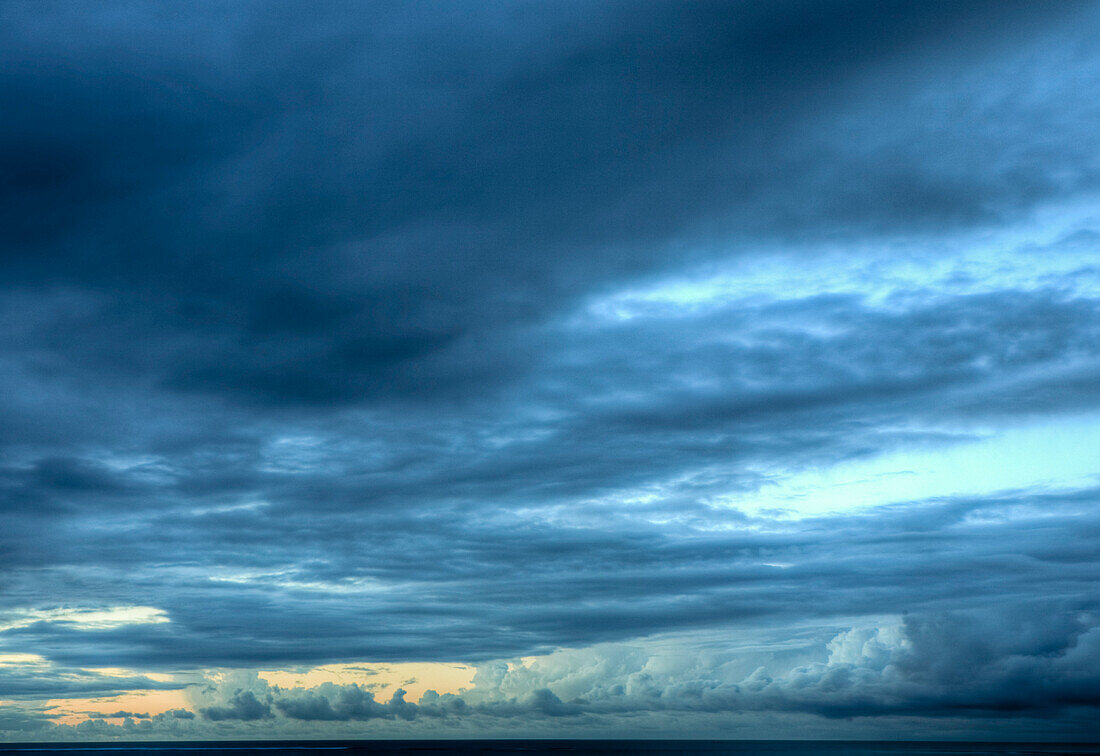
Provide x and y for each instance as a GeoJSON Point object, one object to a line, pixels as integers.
{"type": "Point", "coordinates": [617, 369]}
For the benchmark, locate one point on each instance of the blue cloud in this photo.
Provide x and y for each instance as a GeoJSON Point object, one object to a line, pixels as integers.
{"type": "Point", "coordinates": [465, 334]}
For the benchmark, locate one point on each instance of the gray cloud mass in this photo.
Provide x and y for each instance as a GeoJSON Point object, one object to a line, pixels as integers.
{"type": "Point", "coordinates": [467, 333]}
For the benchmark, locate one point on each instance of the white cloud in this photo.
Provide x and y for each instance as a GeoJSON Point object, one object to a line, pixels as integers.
{"type": "Point", "coordinates": [105, 618]}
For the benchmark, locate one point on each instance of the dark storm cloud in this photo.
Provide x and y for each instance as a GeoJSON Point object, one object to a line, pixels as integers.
{"type": "Point", "coordinates": [349, 702]}
{"type": "Point", "coordinates": [312, 335]}
{"type": "Point", "coordinates": [354, 208]}
{"type": "Point", "coordinates": [329, 702]}
{"type": "Point", "coordinates": [30, 682]}
{"type": "Point", "coordinates": [469, 599]}
{"type": "Point", "coordinates": [23, 721]}
{"type": "Point", "coordinates": [243, 705]}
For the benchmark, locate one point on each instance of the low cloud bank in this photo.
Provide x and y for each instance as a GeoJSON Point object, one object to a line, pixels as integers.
{"type": "Point", "coordinates": [1039, 663]}
{"type": "Point", "coordinates": [1034, 661]}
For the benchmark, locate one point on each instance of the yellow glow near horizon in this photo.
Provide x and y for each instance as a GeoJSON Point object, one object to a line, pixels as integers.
{"type": "Point", "coordinates": [382, 679]}
{"type": "Point", "coordinates": [73, 711]}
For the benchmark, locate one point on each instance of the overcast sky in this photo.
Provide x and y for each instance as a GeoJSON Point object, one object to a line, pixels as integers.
{"type": "Point", "coordinates": [588, 368]}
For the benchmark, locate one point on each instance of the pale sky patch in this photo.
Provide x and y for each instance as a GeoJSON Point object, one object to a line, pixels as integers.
{"type": "Point", "coordinates": [84, 619]}
{"type": "Point", "coordinates": [1053, 455]}
{"type": "Point", "coordinates": [152, 702]}
{"type": "Point", "coordinates": [382, 679]}
{"type": "Point", "coordinates": [1044, 251]}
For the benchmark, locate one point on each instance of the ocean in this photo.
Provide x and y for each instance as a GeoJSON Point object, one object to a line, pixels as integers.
{"type": "Point", "coordinates": [556, 748]}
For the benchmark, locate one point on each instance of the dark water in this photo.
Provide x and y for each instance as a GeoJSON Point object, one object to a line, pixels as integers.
{"type": "Point", "coordinates": [555, 748]}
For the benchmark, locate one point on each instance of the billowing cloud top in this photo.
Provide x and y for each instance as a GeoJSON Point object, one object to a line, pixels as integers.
{"type": "Point", "coordinates": [708, 366]}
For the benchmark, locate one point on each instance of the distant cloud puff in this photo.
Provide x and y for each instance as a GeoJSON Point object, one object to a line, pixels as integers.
{"type": "Point", "coordinates": [243, 705]}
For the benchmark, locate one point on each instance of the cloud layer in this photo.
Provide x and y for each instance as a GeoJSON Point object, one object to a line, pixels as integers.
{"type": "Point", "coordinates": [465, 333]}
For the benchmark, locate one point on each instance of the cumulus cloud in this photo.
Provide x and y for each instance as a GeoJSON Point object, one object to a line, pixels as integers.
{"type": "Point", "coordinates": [242, 705]}
{"type": "Point", "coordinates": [1028, 660]}
{"type": "Point", "coordinates": [1036, 660]}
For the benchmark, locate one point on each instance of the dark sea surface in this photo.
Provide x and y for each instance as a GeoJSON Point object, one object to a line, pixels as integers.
{"type": "Point", "coordinates": [555, 747]}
